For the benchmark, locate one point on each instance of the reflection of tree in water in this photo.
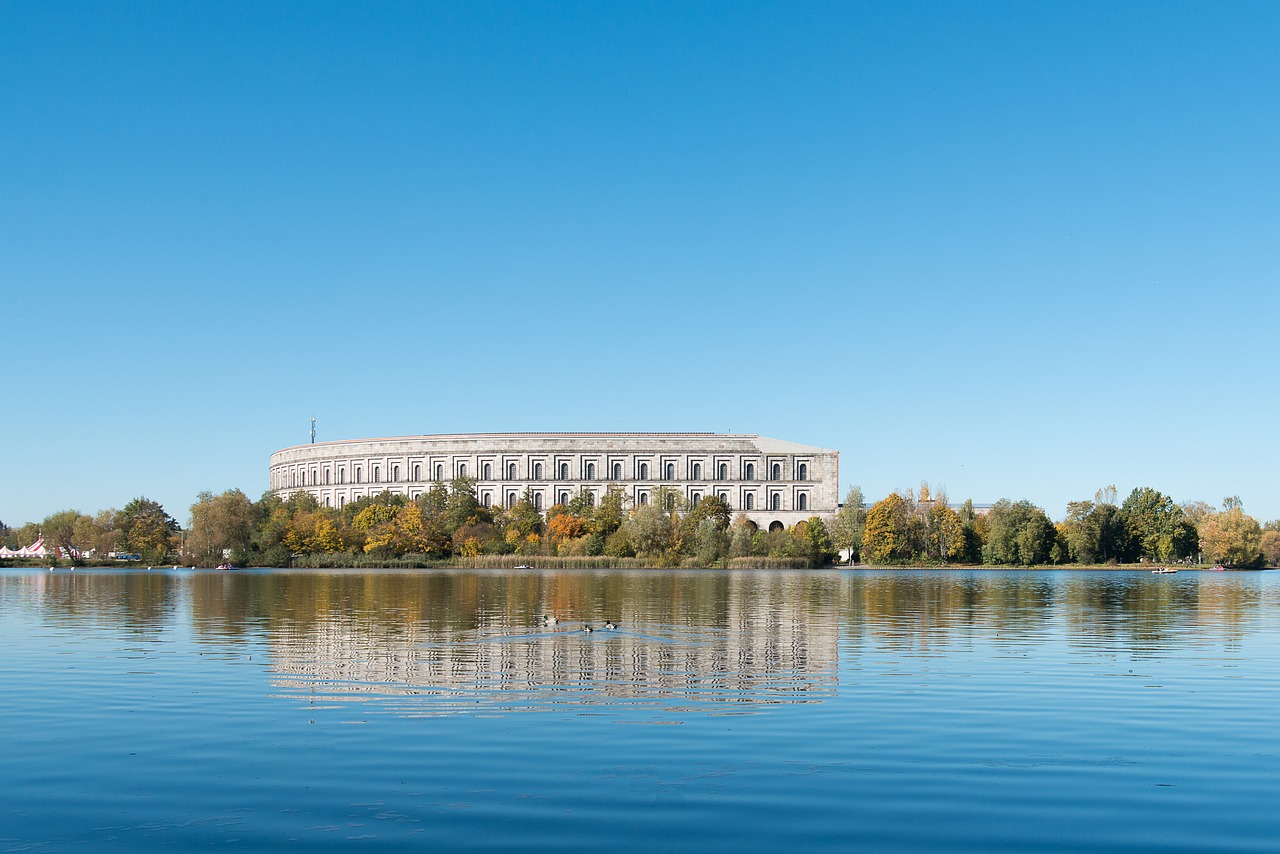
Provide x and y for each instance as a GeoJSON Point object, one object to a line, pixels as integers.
{"type": "Point", "coordinates": [921, 609]}
{"type": "Point", "coordinates": [143, 601]}
{"type": "Point", "coordinates": [924, 608]}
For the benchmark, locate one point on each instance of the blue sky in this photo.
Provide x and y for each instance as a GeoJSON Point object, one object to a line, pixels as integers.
{"type": "Point", "coordinates": [1018, 249]}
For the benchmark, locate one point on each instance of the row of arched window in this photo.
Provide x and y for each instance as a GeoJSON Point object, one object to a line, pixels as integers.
{"type": "Point", "coordinates": [749, 500]}
{"type": "Point", "coordinates": [299, 478]}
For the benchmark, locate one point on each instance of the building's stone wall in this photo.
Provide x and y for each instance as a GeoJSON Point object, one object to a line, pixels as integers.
{"type": "Point", "coordinates": [770, 480]}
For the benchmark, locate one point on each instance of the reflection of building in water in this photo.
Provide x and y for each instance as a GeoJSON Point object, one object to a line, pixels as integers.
{"type": "Point", "coordinates": [779, 654]}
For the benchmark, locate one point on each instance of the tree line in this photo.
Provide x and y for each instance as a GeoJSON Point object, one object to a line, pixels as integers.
{"type": "Point", "coordinates": [142, 528]}
{"type": "Point", "coordinates": [910, 528]}
{"type": "Point", "coordinates": [448, 521]}
{"type": "Point", "coordinates": [444, 522]}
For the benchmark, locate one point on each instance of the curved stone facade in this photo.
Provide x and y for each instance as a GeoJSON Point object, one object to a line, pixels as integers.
{"type": "Point", "coordinates": [770, 480]}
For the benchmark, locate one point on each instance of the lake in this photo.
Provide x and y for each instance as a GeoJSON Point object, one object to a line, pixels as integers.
{"type": "Point", "coordinates": [728, 711]}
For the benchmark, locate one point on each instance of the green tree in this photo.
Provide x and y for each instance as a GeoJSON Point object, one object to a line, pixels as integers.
{"type": "Point", "coordinates": [86, 535]}
{"type": "Point", "coordinates": [1153, 520]}
{"type": "Point", "coordinates": [945, 533]}
{"type": "Point", "coordinates": [24, 536]}
{"type": "Point", "coordinates": [711, 508]}
{"type": "Point", "coordinates": [813, 542]}
{"type": "Point", "coordinates": [741, 537]}
{"type": "Point", "coordinates": [650, 531]}
{"type": "Point", "coordinates": [221, 525]}
{"type": "Point", "coordinates": [1020, 534]}
{"type": "Point", "coordinates": [607, 518]}
{"type": "Point", "coordinates": [1097, 531]}
{"type": "Point", "coordinates": [710, 541]}
{"type": "Point", "coordinates": [973, 528]}
{"type": "Point", "coordinates": [435, 501]}
{"type": "Point", "coordinates": [525, 518]}
{"type": "Point", "coordinates": [461, 506]}
{"type": "Point", "coordinates": [59, 531]}
{"type": "Point", "coordinates": [145, 528]}
{"type": "Point", "coordinates": [849, 523]}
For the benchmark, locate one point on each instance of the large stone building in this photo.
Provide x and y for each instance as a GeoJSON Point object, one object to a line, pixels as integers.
{"type": "Point", "coordinates": [775, 483]}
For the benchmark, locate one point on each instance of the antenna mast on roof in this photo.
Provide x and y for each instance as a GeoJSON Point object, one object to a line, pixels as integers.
{"type": "Point", "coordinates": [313, 429]}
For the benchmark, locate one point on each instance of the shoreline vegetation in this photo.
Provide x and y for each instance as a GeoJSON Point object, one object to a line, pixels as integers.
{"type": "Point", "coordinates": [447, 527]}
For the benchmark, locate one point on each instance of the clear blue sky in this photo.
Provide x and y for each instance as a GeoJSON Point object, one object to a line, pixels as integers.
{"type": "Point", "coordinates": [1019, 249]}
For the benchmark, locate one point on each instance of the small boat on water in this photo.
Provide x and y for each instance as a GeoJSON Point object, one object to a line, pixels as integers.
{"type": "Point", "coordinates": [1164, 570]}
{"type": "Point", "coordinates": [524, 566]}
{"type": "Point", "coordinates": [227, 566]}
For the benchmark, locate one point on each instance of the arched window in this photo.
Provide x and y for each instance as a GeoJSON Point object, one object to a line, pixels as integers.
{"type": "Point", "coordinates": [511, 471]}
{"type": "Point", "coordinates": [724, 497]}
{"type": "Point", "coordinates": [488, 472]}
{"type": "Point", "coordinates": [417, 471]}
{"type": "Point", "coordinates": [564, 498]}
{"type": "Point", "coordinates": [696, 472]}
{"type": "Point", "coordinates": [776, 473]}
{"type": "Point", "coordinates": [696, 499]}
{"type": "Point", "coordinates": [359, 475]}
{"type": "Point", "coordinates": [377, 474]}
{"type": "Point", "coordinates": [342, 500]}
{"type": "Point", "coordinates": [671, 471]}
{"type": "Point", "coordinates": [751, 502]}
{"type": "Point", "coordinates": [591, 499]}
{"type": "Point", "coordinates": [462, 469]}
{"type": "Point", "coordinates": [724, 471]}
{"type": "Point", "coordinates": [537, 471]}
{"type": "Point", "coordinates": [749, 472]}
{"type": "Point", "coordinates": [644, 471]}
{"type": "Point", "coordinates": [326, 477]}
{"type": "Point", "coordinates": [326, 501]}
{"type": "Point", "coordinates": [304, 477]}
{"type": "Point", "coordinates": [802, 473]}
{"type": "Point", "coordinates": [617, 471]}
{"type": "Point", "coordinates": [644, 498]}
{"type": "Point", "coordinates": [537, 501]}
{"type": "Point", "coordinates": [591, 471]}
{"type": "Point", "coordinates": [342, 476]}
{"type": "Point", "coordinates": [486, 499]}
{"type": "Point", "coordinates": [775, 502]}
{"type": "Point", "coordinates": [802, 502]}
{"type": "Point", "coordinates": [511, 499]}
{"type": "Point", "coordinates": [395, 474]}
{"type": "Point", "coordinates": [439, 472]}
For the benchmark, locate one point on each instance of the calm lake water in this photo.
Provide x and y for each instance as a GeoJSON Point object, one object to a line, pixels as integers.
{"type": "Point", "coordinates": [729, 711]}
